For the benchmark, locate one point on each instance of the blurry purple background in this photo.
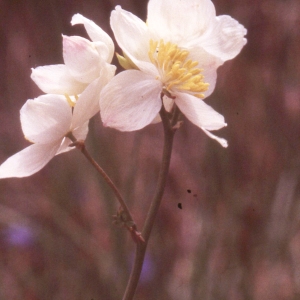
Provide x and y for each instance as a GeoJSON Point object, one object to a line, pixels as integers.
{"type": "Point", "coordinates": [237, 235]}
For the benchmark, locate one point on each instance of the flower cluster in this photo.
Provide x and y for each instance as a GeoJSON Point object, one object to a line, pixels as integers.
{"type": "Point", "coordinates": [174, 56]}
{"type": "Point", "coordinates": [72, 98]}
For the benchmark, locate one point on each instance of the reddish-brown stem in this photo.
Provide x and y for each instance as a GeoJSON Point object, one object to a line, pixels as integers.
{"type": "Point", "coordinates": [128, 220]}
{"type": "Point", "coordinates": [169, 131]}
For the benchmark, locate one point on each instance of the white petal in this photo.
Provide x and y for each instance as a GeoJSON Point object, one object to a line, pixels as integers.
{"type": "Point", "coordinates": [133, 37]}
{"type": "Point", "coordinates": [210, 76]}
{"type": "Point", "coordinates": [107, 72]}
{"type": "Point", "coordinates": [56, 79]}
{"type": "Point", "coordinates": [176, 20]}
{"type": "Point", "coordinates": [130, 101]}
{"type": "Point", "coordinates": [82, 58]}
{"type": "Point", "coordinates": [222, 141]}
{"type": "Point", "coordinates": [88, 103]}
{"type": "Point", "coordinates": [199, 113]}
{"type": "Point", "coordinates": [209, 64]}
{"type": "Point", "coordinates": [168, 104]}
{"type": "Point", "coordinates": [80, 134]}
{"type": "Point", "coordinates": [28, 161]}
{"type": "Point", "coordinates": [45, 119]}
{"type": "Point", "coordinates": [64, 146]}
{"type": "Point", "coordinates": [226, 39]}
{"type": "Point", "coordinates": [95, 33]}
{"type": "Point", "coordinates": [156, 120]}
{"type": "Point", "coordinates": [103, 51]}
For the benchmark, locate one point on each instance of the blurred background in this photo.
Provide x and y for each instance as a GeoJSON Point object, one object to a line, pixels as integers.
{"type": "Point", "coordinates": [237, 233]}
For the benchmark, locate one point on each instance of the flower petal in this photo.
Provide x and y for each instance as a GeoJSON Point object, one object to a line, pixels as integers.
{"type": "Point", "coordinates": [82, 58]}
{"type": "Point", "coordinates": [88, 102]}
{"type": "Point", "coordinates": [28, 161]}
{"type": "Point", "coordinates": [209, 64]}
{"type": "Point", "coordinates": [226, 39]}
{"type": "Point", "coordinates": [95, 33]}
{"type": "Point", "coordinates": [103, 51]}
{"type": "Point", "coordinates": [56, 79]}
{"type": "Point", "coordinates": [64, 146]}
{"type": "Point", "coordinates": [80, 134]}
{"type": "Point", "coordinates": [177, 20]}
{"type": "Point", "coordinates": [133, 37]}
{"type": "Point", "coordinates": [130, 101]}
{"type": "Point", "coordinates": [168, 104]}
{"type": "Point", "coordinates": [45, 119]}
{"type": "Point", "coordinates": [199, 113]}
{"type": "Point", "coordinates": [222, 141]}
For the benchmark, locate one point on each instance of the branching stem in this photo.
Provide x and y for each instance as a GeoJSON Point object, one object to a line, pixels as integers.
{"type": "Point", "coordinates": [170, 125]}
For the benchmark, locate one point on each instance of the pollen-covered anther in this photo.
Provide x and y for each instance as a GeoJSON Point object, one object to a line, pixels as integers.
{"type": "Point", "coordinates": [177, 72]}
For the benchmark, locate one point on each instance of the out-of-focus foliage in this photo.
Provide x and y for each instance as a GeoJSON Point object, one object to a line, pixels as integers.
{"type": "Point", "coordinates": [237, 235]}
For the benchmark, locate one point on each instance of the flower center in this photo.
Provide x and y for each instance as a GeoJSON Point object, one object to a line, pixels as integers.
{"type": "Point", "coordinates": [177, 72]}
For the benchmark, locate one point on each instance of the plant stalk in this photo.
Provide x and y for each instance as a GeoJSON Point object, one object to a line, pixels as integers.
{"type": "Point", "coordinates": [169, 131]}
{"type": "Point", "coordinates": [125, 215]}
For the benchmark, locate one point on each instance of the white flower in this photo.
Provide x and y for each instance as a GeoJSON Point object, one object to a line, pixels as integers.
{"type": "Point", "coordinates": [85, 62]}
{"type": "Point", "coordinates": [45, 122]}
{"type": "Point", "coordinates": [47, 119]}
{"type": "Point", "coordinates": [177, 51]}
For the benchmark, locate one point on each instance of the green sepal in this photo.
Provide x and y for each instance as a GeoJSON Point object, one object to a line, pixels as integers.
{"type": "Point", "coordinates": [126, 62]}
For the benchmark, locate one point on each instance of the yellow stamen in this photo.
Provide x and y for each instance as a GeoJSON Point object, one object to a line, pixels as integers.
{"type": "Point", "coordinates": [70, 101]}
{"type": "Point", "coordinates": [177, 71]}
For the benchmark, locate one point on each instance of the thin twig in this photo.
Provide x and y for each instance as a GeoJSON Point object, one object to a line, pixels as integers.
{"type": "Point", "coordinates": [124, 215]}
{"type": "Point", "coordinates": [169, 131]}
